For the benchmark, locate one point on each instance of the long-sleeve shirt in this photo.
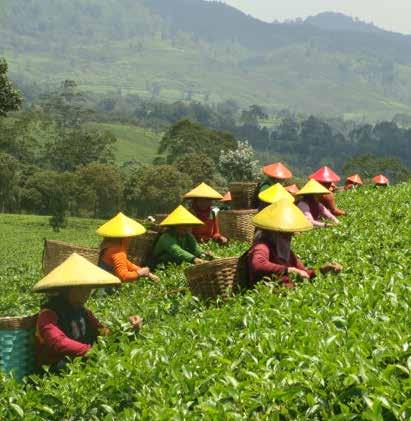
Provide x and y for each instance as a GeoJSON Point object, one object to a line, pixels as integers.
{"type": "Point", "coordinates": [53, 345]}
{"type": "Point", "coordinates": [263, 261]}
{"type": "Point", "coordinates": [174, 248]}
{"type": "Point", "coordinates": [211, 228]}
{"type": "Point", "coordinates": [328, 200]}
{"type": "Point", "coordinates": [323, 212]}
{"type": "Point", "coordinates": [115, 260]}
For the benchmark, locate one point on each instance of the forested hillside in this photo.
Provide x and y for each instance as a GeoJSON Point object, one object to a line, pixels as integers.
{"type": "Point", "coordinates": [208, 51]}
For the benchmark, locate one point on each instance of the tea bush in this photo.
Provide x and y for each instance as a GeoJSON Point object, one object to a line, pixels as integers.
{"type": "Point", "coordinates": [336, 349]}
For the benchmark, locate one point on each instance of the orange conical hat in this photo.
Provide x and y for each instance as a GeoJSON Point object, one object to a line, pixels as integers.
{"type": "Point", "coordinates": [325, 175]}
{"type": "Point", "coordinates": [293, 189]}
{"type": "Point", "coordinates": [380, 179]}
{"type": "Point", "coordinates": [277, 170]}
{"type": "Point", "coordinates": [356, 179]}
{"type": "Point", "coordinates": [227, 197]}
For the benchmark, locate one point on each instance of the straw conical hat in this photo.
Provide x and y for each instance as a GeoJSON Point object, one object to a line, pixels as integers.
{"type": "Point", "coordinates": [282, 216]}
{"type": "Point", "coordinates": [203, 191]}
{"type": "Point", "coordinates": [325, 175]}
{"type": "Point", "coordinates": [76, 271]}
{"type": "Point", "coordinates": [355, 179]}
{"type": "Point", "coordinates": [275, 193]}
{"type": "Point", "coordinates": [227, 197]}
{"type": "Point", "coordinates": [313, 187]}
{"type": "Point", "coordinates": [121, 227]}
{"type": "Point", "coordinates": [181, 216]}
{"type": "Point", "coordinates": [380, 179]}
{"type": "Point", "coordinates": [293, 189]}
{"type": "Point", "coordinates": [277, 170]}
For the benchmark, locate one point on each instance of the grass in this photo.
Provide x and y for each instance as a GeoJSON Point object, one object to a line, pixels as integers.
{"type": "Point", "coordinates": [338, 349]}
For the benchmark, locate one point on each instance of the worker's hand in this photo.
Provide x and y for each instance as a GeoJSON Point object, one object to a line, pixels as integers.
{"type": "Point", "coordinates": [153, 277]}
{"type": "Point", "coordinates": [136, 322]}
{"type": "Point", "coordinates": [209, 256]}
{"type": "Point", "coordinates": [331, 267]}
{"type": "Point", "coordinates": [301, 273]}
{"type": "Point", "coordinates": [144, 271]}
{"type": "Point", "coordinates": [104, 331]}
{"type": "Point", "coordinates": [198, 261]}
{"type": "Point", "coordinates": [223, 240]}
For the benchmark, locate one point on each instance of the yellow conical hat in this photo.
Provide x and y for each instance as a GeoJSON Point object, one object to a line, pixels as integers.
{"type": "Point", "coordinates": [275, 193]}
{"type": "Point", "coordinates": [312, 187]}
{"type": "Point", "coordinates": [203, 191]}
{"type": "Point", "coordinates": [282, 216]}
{"type": "Point", "coordinates": [76, 271]}
{"type": "Point", "coordinates": [121, 227]}
{"type": "Point", "coordinates": [181, 216]}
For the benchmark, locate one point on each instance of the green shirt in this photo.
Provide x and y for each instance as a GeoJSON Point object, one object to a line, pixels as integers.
{"type": "Point", "coordinates": [265, 184]}
{"type": "Point", "coordinates": [174, 248]}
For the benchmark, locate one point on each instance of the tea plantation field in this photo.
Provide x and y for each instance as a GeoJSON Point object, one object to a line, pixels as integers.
{"type": "Point", "coordinates": [337, 349]}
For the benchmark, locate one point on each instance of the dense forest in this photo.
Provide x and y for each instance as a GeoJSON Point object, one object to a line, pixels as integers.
{"type": "Point", "coordinates": [210, 52]}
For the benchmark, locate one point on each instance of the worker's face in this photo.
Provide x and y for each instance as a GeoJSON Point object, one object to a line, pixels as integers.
{"type": "Point", "coordinates": [183, 229]}
{"type": "Point", "coordinates": [202, 204]}
{"type": "Point", "coordinates": [78, 296]}
{"type": "Point", "coordinates": [316, 197]}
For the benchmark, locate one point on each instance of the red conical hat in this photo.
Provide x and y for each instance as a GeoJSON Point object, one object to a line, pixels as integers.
{"type": "Point", "coordinates": [356, 179]}
{"type": "Point", "coordinates": [277, 170]}
{"type": "Point", "coordinates": [380, 179]}
{"type": "Point", "coordinates": [293, 189]}
{"type": "Point", "coordinates": [325, 175]}
{"type": "Point", "coordinates": [227, 197]}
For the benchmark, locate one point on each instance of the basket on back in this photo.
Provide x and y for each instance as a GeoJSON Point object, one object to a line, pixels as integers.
{"type": "Point", "coordinates": [56, 252]}
{"type": "Point", "coordinates": [141, 247]}
{"type": "Point", "coordinates": [17, 345]}
{"type": "Point", "coordinates": [243, 195]}
{"type": "Point", "coordinates": [238, 224]}
{"type": "Point", "coordinates": [219, 278]}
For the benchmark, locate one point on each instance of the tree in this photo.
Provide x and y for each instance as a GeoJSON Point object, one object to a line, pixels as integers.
{"type": "Point", "coordinates": [10, 97]}
{"type": "Point", "coordinates": [155, 189]}
{"type": "Point", "coordinates": [240, 164]}
{"type": "Point", "coordinates": [9, 174]}
{"type": "Point", "coordinates": [99, 189]}
{"type": "Point", "coordinates": [199, 167]}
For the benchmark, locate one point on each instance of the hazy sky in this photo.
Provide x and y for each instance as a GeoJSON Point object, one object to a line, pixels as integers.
{"type": "Point", "coordinates": [394, 15]}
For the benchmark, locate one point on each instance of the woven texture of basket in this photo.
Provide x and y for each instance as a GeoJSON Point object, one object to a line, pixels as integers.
{"type": "Point", "coordinates": [140, 247]}
{"type": "Point", "coordinates": [243, 194]}
{"type": "Point", "coordinates": [17, 345]}
{"type": "Point", "coordinates": [238, 224]}
{"type": "Point", "coordinates": [213, 279]}
{"type": "Point", "coordinates": [56, 252]}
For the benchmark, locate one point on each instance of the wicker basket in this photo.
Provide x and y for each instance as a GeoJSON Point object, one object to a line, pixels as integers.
{"type": "Point", "coordinates": [140, 247]}
{"type": "Point", "coordinates": [17, 345]}
{"type": "Point", "coordinates": [56, 252]}
{"type": "Point", "coordinates": [238, 224]}
{"type": "Point", "coordinates": [243, 195]}
{"type": "Point", "coordinates": [213, 279]}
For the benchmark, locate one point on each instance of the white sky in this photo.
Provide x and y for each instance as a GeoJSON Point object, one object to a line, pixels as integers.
{"type": "Point", "coordinates": [394, 15]}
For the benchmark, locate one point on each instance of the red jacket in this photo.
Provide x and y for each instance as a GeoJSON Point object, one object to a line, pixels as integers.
{"type": "Point", "coordinates": [328, 200]}
{"type": "Point", "coordinates": [263, 261]}
{"type": "Point", "coordinates": [53, 345]}
{"type": "Point", "coordinates": [211, 228]}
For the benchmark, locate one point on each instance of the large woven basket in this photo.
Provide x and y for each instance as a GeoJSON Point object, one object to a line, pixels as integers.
{"type": "Point", "coordinates": [243, 195]}
{"type": "Point", "coordinates": [238, 224]}
{"type": "Point", "coordinates": [56, 252]}
{"type": "Point", "coordinates": [213, 279]}
{"type": "Point", "coordinates": [141, 247]}
{"type": "Point", "coordinates": [17, 345]}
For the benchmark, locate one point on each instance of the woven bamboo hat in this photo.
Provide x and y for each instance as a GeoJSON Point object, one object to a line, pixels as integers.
{"type": "Point", "coordinates": [282, 216]}
{"type": "Point", "coordinates": [121, 226]}
{"type": "Point", "coordinates": [227, 197]}
{"type": "Point", "coordinates": [277, 170]}
{"type": "Point", "coordinates": [293, 189]}
{"type": "Point", "coordinates": [203, 191]}
{"type": "Point", "coordinates": [380, 179]}
{"type": "Point", "coordinates": [312, 187]}
{"type": "Point", "coordinates": [325, 175]}
{"type": "Point", "coordinates": [356, 179]}
{"type": "Point", "coordinates": [181, 216]}
{"type": "Point", "coordinates": [76, 271]}
{"type": "Point", "coordinates": [275, 193]}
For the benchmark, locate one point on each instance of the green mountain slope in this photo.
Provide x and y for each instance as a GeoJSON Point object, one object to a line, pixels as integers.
{"type": "Point", "coordinates": [208, 51]}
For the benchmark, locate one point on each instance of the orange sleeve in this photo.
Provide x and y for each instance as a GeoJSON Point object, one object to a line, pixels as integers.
{"type": "Point", "coordinates": [121, 267]}
{"type": "Point", "coordinates": [132, 267]}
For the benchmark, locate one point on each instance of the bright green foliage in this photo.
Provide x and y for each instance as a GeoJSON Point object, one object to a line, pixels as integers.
{"type": "Point", "coordinates": [338, 349]}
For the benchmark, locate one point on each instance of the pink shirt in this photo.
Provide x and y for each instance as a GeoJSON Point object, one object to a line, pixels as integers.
{"type": "Point", "coordinates": [324, 212]}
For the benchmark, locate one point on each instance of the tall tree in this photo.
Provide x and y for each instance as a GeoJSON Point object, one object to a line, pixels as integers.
{"type": "Point", "coordinates": [10, 97]}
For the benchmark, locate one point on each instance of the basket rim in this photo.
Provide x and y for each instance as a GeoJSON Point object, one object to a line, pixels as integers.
{"type": "Point", "coordinates": [239, 211]}
{"type": "Point", "coordinates": [17, 322]}
{"type": "Point", "coordinates": [212, 263]}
